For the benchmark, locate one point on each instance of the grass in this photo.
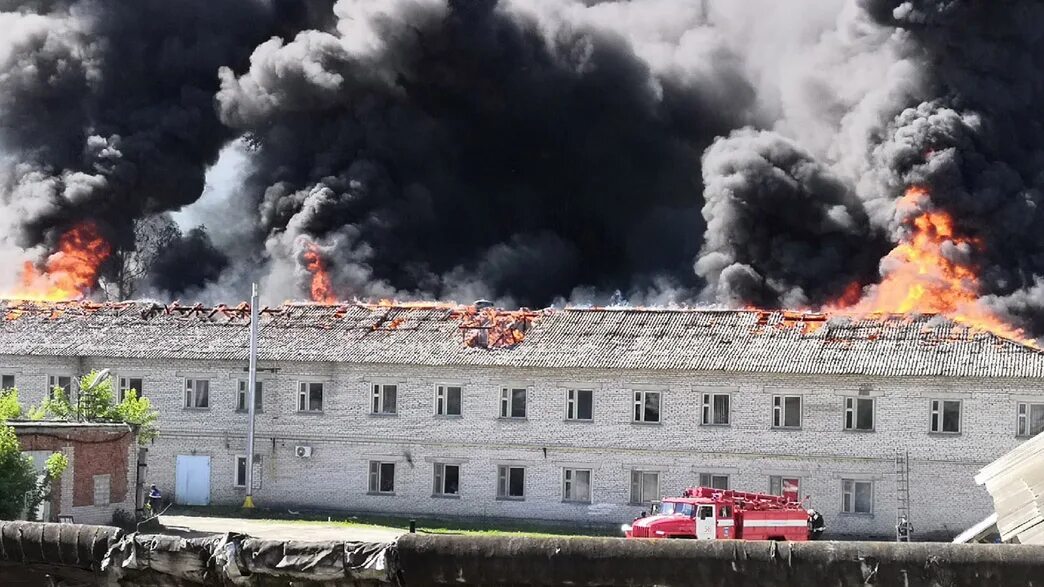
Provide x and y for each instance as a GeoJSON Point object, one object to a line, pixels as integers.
{"type": "Point", "coordinates": [465, 526]}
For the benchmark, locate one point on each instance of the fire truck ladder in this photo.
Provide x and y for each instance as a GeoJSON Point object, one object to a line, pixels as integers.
{"type": "Point", "coordinates": [903, 529]}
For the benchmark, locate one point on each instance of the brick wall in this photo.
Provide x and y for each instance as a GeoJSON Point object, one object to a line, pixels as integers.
{"type": "Point", "coordinates": [345, 437]}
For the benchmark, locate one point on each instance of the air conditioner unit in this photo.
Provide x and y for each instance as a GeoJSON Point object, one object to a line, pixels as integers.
{"type": "Point", "coordinates": [303, 452]}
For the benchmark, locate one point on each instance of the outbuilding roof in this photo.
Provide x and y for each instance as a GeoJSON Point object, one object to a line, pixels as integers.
{"type": "Point", "coordinates": [595, 338]}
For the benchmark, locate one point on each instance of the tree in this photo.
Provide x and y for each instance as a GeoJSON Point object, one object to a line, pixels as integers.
{"type": "Point", "coordinates": [130, 264]}
{"type": "Point", "coordinates": [98, 404]}
{"type": "Point", "coordinates": [17, 476]}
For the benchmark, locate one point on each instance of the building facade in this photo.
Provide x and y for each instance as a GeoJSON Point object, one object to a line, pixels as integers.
{"type": "Point", "coordinates": [586, 417]}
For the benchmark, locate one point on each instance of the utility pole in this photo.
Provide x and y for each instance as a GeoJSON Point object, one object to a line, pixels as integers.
{"type": "Point", "coordinates": [248, 503]}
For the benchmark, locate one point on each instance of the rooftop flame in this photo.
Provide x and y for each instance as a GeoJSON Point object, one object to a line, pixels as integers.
{"type": "Point", "coordinates": [68, 274]}
{"type": "Point", "coordinates": [322, 288]}
{"type": "Point", "coordinates": [919, 278]}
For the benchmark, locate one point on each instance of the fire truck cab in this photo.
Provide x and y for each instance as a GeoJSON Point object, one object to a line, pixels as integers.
{"type": "Point", "coordinates": [705, 513]}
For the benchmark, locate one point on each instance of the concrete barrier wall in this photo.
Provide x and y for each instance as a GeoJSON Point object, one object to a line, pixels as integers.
{"type": "Point", "coordinates": [106, 556]}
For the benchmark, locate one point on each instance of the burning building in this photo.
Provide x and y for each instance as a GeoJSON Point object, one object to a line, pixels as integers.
{"type": "Point", "coordinates": [585, 415]}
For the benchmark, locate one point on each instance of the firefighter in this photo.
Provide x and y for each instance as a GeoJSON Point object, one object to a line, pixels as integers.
{"type": "Point", "coordinates": [903, 529]}
{"type": "Point", "coordinates": [816, 524]}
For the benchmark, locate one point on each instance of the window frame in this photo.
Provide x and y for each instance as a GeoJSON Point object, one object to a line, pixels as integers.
{"type": "Point", "coordinates": [937, 416]}
{"type": "Point", "coordinates": [442, 400]}
{"type": "Point", "coordinates": [375, 477]}
{"type": "Point", "coordinates": [235, 471]}
{"type": "Point", "coordinates": [707, 400]}
{"type": "Point", "coordinates": [123, 385]}
{"type": "Point", "coordinates": [54, 380]}
{"type": "Point", "coordinates": [711, 476]}
{"type": "Point", "coordinates": [439, 480]}
{"type": "Point", "coordinates": [504, 483]}
{"type": "Point", "coordinates": [638, 406]}
{"type": "Point", "coordinates": [779, 411]}
{"type": "Point", "coordinates": [641, 473]}
{"type": "Point", "coordinates": [193, 389]}
{"type": "Point", "coordinates": [1023, 421]}
{"type": "Point", "coordinates": [507, 402]}
{"type": "Point", "coordinates": [304, 392]}
{"type": "Point", "coordinates": [852, 493]}
{"type": "Point", "coordinates": [569, 475]}
{"type": "Point", "coordinates": [242, 391]}
{"type": "Point", "coordinates": [379, 399]}
{"type": "Point", "coordinates": [573, 404]}
{"type": "Point", "coordinates": [12, 377]}
{"type": "Point", "coordinates": [854, 410]}
{"type": "Point", "coordinates": [782, 478]}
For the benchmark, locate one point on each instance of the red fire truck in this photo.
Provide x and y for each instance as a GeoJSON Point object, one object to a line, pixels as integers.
{"type": "Point", "coordinates": [705, 513]}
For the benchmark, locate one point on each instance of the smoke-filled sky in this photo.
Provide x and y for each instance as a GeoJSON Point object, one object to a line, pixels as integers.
{"type": "Point", "coordinates": [529, 151]}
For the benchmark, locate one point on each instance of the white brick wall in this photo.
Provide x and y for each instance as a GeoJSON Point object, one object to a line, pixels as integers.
{"type": "Point", "coordinates": [345, 437]}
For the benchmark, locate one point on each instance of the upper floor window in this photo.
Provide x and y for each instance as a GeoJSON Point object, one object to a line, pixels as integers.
{"type": "Point", "coordinates": [945, 416]}
{"type": "Point", "coordinates": [382, 477]}
{"type": "Point", "coordinates": [714, 480]}
{"type": "Point", "coordinates": [244, 391]}
{"type": "Point", "coordinates": [511, 482]}
{"type": "Point", "coordinates": [137, 384]}
{"type": "Point", "coordinates": [859, 413]}
{"type": "Point", "coordinates": [786, 411]}
{"type": "Point", "coordinates": [63, 381]}
{"type": "Point", "coordinates": [448, 400]}
{"type": "Point", "coordinates": [788, 487]}
{"type": "Point", "coordinates": [857, 497]}
{"type": "Point", "coordinates": [579, 404]}
{"type": "Point", "coordinates": [1031, 419]}
{"type": "Point", "coordinates": [716, 409]}
{"type": "Point", "coordinates": [647, 406]}
{"type": "Point", "coordinates": [576, 485]}
{"type": "Point", "coordinates": [383, 399]}
{"type": "Point", "coordinates": [7, 381]}
{"type": "Point", "coordinates": [513, 402]}
{"type": "Point", "coordinates": [447, 480]}
{"type": "Point", "coordinates": [197, 393]}
{"type": "Point", "coordinates": [645, 486]}
{"type": "Point", "coordinates": [310, 396]}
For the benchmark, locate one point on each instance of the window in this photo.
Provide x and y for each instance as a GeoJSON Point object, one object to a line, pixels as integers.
{"type": "Point", "coordinates": [579, 404]}
{"type": "Point", "coordinates": [576, 485]}
{"type": "Point", "coordinates": [1031, 419]}
{"type": "Point", "coordinates": [241, 471]}
{"type": "Point", "coordinates": [788, 487]}
{"type": "Point", "coordinates": [241, 397]}
{"type": "Point", "coordinates": [62, 381]}
{"type": "Point", "coordinates": [383, 400]}
{"type": "Point", "coordinates": [786, 411]}
{"type": "Point", "coordinates": [857, 497]}
{"type": "Point", "coordinates": [714, 481]}
{"type": "Point", "coordinates": [716, 409]}
{"type": "Point", "coordinates": [7, 381]}
{"type": "Point", "coordinates": [645, 486]}
{"type": "Point", "coordinates": [448, 400]}
{"type": "Point", "coordinates": [102, 492]}
{"type": "Point", "coordinates": [511, 482]}
{"type": "Point", "coordinates": [646, 406]}
{"type": "Point", "coordinates": [197, 393]}
{"type": "Point", "coordinates": [310, 397]}
{"type": "Point", "coordinates": [447, 480]}
{"type": "Point", "coordinates": [382, 477]}
{"type": "Point", "coordinates": [946, 416]}
{"type": "Point", "coordinates": [513, 403]}
{"type": "Point", "coordinates": [129, 383]}
{"type": "Point", "coordinates": [859, 413]}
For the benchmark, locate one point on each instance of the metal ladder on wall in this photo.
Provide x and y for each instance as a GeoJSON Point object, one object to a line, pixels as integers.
{"type": "Point", "coordinates": [903, 528]}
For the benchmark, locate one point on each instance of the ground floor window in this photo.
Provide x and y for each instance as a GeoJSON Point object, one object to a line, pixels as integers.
{"type": "Point", "coordinates": [857, 497]}
{"type": "Point", "coordinates": [511, 482]}
{"type": "Point", "coordinates": [714, 480]}
{"type": "Point", "coordinates": [645, 487]}
{"type": "Point", "coordinates": [788, 487]}
{"type": "Point", "coordinates": [241, 471]}
{"type": "Point", "coordinates": [576, 485]}
{"type": "Point", "coordinates": [447, 479]}
{"type": "Point", "coordinates": [382, 477]}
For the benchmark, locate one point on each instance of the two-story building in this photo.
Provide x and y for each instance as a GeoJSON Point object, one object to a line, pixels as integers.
{"type": "Point", "coordinates": [585, 415]}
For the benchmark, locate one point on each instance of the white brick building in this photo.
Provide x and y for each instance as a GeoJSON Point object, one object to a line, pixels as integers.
{"type": "Point", "coordinates": [789, 398]}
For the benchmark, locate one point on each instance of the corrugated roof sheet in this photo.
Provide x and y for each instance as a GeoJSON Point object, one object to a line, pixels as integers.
{"type": "Point", "coordinates": [688, 339]}
{"type": "Point", "coordinates": [1016, 483]}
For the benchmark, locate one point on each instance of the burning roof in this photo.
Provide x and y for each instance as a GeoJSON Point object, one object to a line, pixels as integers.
{"type": "Point", "coordinates": [447, 334]}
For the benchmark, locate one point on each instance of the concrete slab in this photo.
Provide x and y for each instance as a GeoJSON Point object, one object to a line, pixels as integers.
{"type": "Point", "coordinates": [278, 530]}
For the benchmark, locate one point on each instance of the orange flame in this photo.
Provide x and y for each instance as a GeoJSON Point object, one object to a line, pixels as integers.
{"type": "Point", "coordinates": [68, 274]}
{"type": "Point", "coordinates": [322, 288]}
{"type": "Point", "coordinates": [919, 278]}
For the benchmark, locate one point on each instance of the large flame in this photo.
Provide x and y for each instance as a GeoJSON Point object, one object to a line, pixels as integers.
{"type": "Point", "coordinates": [920, 278]}
{"type": "Point", "coordinates": [68, 274]}
{"type": "Point", "coordinates": [322, 287]}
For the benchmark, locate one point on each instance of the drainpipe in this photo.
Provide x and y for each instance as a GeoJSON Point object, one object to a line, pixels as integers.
{"type": "Point", "coordinates": [248, 503]}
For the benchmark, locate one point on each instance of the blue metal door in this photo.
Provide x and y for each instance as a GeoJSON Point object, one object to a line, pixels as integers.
{"type": "Point", "coordinates": [192, 480]}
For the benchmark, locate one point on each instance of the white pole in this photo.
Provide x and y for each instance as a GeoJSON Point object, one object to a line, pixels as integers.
{"type": "Point", "coordinates": [251, 390]}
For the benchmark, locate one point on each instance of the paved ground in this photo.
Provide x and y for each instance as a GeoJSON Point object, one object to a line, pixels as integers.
{"type": "Point", "coordinates": [273, 529]}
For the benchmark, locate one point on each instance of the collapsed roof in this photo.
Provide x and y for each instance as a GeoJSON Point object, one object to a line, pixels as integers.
{"type": "Point", "coordinates": [594, 338]}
